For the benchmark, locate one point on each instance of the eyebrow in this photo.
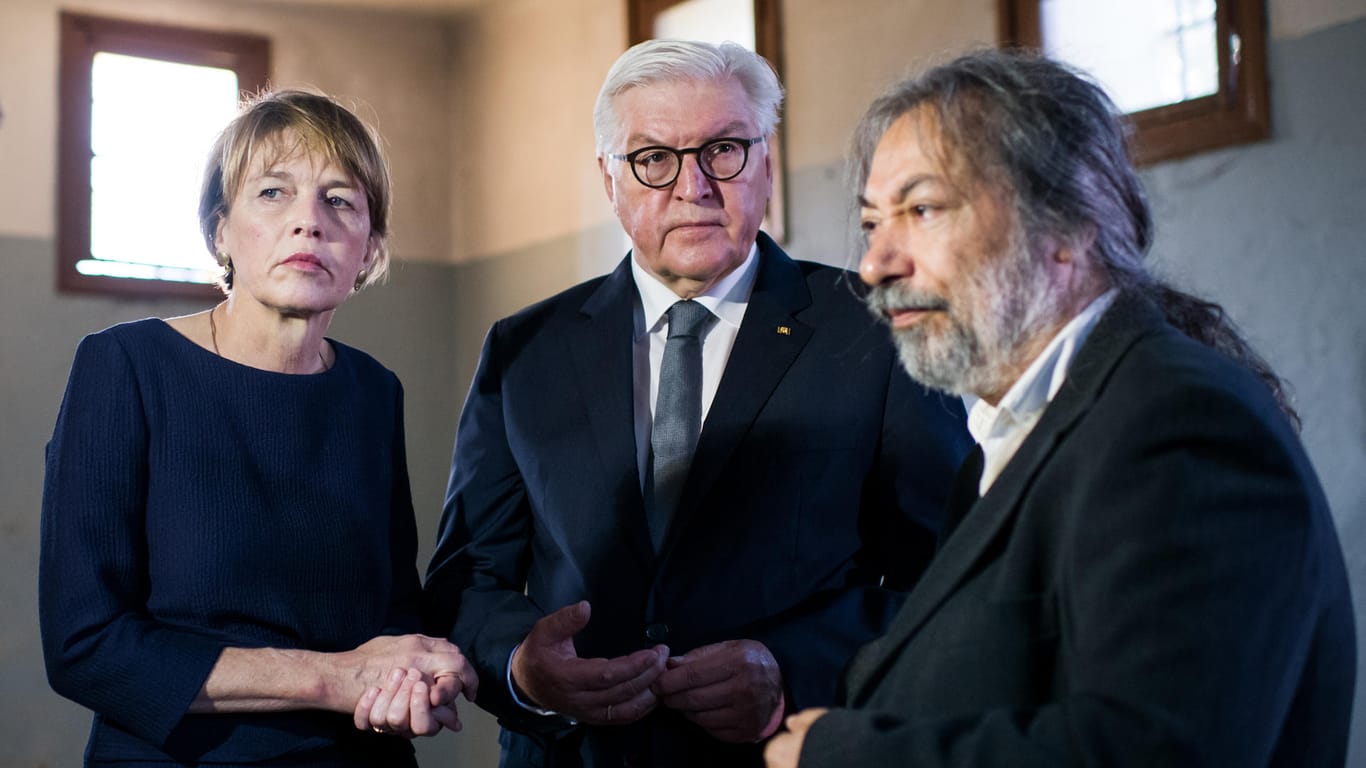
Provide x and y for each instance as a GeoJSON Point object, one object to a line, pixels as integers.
{"type": "Point", "coordinates": [733, 128]}
{"type": "Point", "coordinates": [902, 192]}
{"type": "Point", "coordinates": [277, 173]}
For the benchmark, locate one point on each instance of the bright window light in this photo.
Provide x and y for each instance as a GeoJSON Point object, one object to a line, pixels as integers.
{"type": "Point", "coordinates": [1145, 55]}
{"type": "Point", "coordinates": [712, 21]}
{"type": "Point", "coordinates": [152, 123]}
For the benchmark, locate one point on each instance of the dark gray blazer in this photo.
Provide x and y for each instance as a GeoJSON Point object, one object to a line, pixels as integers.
{"type": "Point", "coordinates": [1154, 579]}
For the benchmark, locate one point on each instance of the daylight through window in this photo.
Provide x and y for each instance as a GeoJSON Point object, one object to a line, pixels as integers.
{"type": "Point", "coordinates": [147, 162]}
{"type": "Point", "coordinates": [1145, 54]}
{"type": "Point", "coordinates": [140, 107]}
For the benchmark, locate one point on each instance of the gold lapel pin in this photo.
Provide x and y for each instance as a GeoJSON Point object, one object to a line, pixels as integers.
{"type": "Point", "coordinates": [783, 330]}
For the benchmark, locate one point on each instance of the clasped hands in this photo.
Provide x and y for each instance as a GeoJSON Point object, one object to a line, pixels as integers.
{"type": "Point", "coordinates": [411, 682]}
{"type": "Point", "coordinates": [732, 689]}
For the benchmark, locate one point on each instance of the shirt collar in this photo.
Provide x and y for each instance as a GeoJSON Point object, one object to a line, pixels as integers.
{"type": "Point", "coordinates": [1040, 382]}
{"type": "Point", "coordinates": [726, 299]}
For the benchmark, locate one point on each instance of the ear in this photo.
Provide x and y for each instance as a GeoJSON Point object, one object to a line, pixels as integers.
{"type": "Point", "coordinates": [1074, 248]}
{"type": "Point", "coordinates": [768, 167]}
{"type": "Point", "coordinates": [371, 248]}
{"type": "Point", "coordinates": [607, 181]}
{"type": "Point", "coordinates": [218, 234]}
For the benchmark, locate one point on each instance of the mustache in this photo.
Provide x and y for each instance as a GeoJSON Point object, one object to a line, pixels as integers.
{"type": "Point", "coordinates": [890, 297]}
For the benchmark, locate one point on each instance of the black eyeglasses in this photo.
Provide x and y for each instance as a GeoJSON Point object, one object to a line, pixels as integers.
{"type": "Point", "coordinates": [720, 160]}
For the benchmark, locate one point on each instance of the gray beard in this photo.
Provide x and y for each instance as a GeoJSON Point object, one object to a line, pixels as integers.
{"type": "Point", "coordinates": [1000, 307]}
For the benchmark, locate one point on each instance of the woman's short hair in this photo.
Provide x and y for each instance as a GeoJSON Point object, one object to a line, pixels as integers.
{"type": "Point", "coordinates": [656, 61]}
{"type": "Point", "coordinates": [321, 126]}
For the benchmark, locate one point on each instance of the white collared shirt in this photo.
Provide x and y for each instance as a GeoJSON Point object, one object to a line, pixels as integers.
{"type": "Point", "coordinates": [727, 300]}
{"type": "Point", "coordinates": [1000, 429]}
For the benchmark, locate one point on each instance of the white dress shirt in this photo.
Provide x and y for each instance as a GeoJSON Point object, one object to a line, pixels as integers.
{"type": "Point", "coordinates": [727, 300]}
{"type": "Point", "coordinates": [1000, 429]}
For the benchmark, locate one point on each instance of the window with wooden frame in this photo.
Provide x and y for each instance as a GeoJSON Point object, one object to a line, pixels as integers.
{"type": "Point", "coordinates": [1191, 74]}
{"type": "Point", "coordinates": [140, 105]}
{"type": "Point", "coordinates": [752, 23]}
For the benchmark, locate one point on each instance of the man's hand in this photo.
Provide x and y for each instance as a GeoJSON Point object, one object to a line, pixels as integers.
{"type": "Point", "coordinates": [733, 689]}
{"type": "Point", "coordinates": [547, 669]}
{"type": "Point", "coordinates": [784, 749]}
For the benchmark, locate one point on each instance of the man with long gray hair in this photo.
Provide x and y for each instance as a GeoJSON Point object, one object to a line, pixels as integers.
{"type": "Point", "coordinates": [672, 484]}
{"type": "Point", "coordinates": [1139, 566]}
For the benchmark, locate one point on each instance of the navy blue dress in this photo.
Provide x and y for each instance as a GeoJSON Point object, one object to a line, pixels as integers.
{"type": "Point", "coordinates": [193, 504]}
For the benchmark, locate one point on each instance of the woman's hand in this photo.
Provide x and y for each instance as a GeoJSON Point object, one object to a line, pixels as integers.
{"type": "Point", "coordinates": [414, 692]}
{"type": "Point", "coordinates": [278, 680]}
{"type": "Point", "coordinates": [440, 665]}
{"type": "Point", "coordinates": [407, 705]}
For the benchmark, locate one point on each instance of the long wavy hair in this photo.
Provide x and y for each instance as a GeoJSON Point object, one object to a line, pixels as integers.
{"type": "Point", "coordinates": [1055, 138]}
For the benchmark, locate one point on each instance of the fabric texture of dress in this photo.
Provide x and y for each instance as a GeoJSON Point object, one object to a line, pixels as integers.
{"type": "Point", "coordinates": [193, 504]}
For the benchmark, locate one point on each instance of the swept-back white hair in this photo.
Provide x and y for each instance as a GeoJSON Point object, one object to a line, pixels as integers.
{"type": "Point", "coordinates": [656, 61]}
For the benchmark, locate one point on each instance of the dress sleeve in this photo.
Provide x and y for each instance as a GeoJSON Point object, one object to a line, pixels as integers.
{"type": "Point", "coordinates": [405, 605]}
{"type": "Point", "coordinates": [101, 646]}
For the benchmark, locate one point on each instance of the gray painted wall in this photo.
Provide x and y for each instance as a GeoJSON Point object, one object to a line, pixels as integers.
{"type": "Point", "coordinates": [1276, 232]}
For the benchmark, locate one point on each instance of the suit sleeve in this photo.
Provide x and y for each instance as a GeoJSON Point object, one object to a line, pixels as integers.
{"type": "Point", "coordinates": [1198, 564]}
{"type": "Point", "coordinates": [475, 589]}
{"type": "Point", "coordinates": [922, 442]}
{"type": "Point", "coordinates": [101, 648]}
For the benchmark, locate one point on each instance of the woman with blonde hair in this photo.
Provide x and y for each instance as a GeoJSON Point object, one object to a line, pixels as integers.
{"type": "Point", "coordinates": [228, 544]}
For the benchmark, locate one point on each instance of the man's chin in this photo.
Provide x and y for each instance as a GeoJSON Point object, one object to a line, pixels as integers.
{"type": "Point", "coordinates": [702, 264]}
{"type": "Point", "coordinates": [944, 369]}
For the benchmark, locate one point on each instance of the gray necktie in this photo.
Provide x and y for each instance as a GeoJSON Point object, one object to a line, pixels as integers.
{"type": "Point", "coordinates": [678, 414]}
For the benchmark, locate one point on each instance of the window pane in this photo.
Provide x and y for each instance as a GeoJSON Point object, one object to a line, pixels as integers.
{"type": "Point", "coordinates": [711, 21]}
{"type": "Point", "coordinates": [152, 123]}
{"type": "Point", "coordinates": [1145, 54]}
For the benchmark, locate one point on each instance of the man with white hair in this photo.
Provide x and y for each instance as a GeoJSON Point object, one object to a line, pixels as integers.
{"type": "Point", "coordinates": [673, 485]}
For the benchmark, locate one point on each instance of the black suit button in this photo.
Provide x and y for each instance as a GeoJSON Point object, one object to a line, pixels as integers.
{"type": "Point", "coordinates": [657, 632]}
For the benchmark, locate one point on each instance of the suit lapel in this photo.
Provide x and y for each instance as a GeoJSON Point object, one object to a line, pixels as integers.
{"type": "Point", "coordinates": [963, 495]}
{"type": "Point", "coordinates": [769, 340]}
{"type": "Point", "coordinates": [966, 545]}
{"type": "Point", "coordinates": [601, 346]}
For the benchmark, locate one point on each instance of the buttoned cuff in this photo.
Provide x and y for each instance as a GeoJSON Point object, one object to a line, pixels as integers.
{"type": "Point", "coordinates": [512, 691]}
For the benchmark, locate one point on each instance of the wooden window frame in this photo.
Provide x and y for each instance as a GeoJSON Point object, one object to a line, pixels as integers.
{"type": "Point", "coordinates": [82, 36]}
{"type": "Point", "coordinates": [1239, 113]}
{"type": "Point", "coordinates": [640, 24]}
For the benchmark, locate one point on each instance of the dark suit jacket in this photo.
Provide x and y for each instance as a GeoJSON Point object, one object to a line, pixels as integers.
{"type": "Point", "coordinates": [1154, 579]}
{"type": "Point", "coordinates": [817, 450]}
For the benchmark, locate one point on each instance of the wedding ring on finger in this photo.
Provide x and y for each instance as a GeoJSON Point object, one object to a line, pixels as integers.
{"type": "Point", "coordinates": [609, 713]}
